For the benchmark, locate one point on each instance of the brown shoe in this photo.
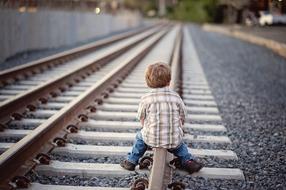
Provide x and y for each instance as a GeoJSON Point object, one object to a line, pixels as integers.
{"type": "Point", "coordinates": [192, 166]}
{"type": "Point", "coordinates": [127, 165]}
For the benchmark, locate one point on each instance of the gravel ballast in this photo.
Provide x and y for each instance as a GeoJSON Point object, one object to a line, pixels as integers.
{"type": "Point", "coordinates": [125, 181]}
{"type": "Point", "coordinates": [249, 86]}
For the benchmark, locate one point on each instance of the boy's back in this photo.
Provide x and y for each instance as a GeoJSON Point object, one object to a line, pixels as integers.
{"type": "Point", "coordinates": [162, 110]}
{"type": "Point", "coordinates": [162, 114]}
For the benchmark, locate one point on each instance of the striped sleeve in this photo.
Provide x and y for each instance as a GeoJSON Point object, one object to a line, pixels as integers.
{"type": "Point", "coordinates": [141, 113]}
{"type": "Point", "coordinates": [182, 110]}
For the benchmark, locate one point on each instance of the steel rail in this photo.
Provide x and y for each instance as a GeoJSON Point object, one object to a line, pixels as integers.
{"type": "Point", "coordinates": [19, 102]}
{"type": "Point", "coordinates": [38, 140]}
{"type": "Point", "coordinates": [161, 173]}
{"type": "Point", "coordinates": [15, 72]}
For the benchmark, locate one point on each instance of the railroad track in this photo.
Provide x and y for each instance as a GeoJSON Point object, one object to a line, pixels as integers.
{"type": "Point", "coordinates": [24, 82]}
{"type": "Point", "coordinates": [83, 126]}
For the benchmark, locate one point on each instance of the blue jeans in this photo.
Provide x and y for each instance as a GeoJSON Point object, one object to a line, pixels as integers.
{"type": "Point", "coordinates": [140, 147]}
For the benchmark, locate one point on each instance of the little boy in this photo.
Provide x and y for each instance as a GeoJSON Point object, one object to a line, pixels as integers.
{"type": "Point", "coordinates": [162, 114]}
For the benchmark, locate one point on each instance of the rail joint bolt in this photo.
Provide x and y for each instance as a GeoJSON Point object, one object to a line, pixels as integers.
{"type": "Point", "coordinates": [42, 158]}
{"type": "Point", "coordinates": [140, 184]}
{"type": "Point", "coordinates": [177, 186]}
{"type": "Point", "coordinates": [59, 142]}
{"type": "Point", "coordinates": [72, 129]}
{"type": "Point", "coordinates": [98, 101]}
{"type": "Point", "coordinates": [20, 182]}
{"type": "Point", "coordinates": [91, 108]}
{"type": "Point", "coordinates": [146, 162]}
{"type": "Point", "coordinates": [16, 116]}
{"type": "Point", "coordinates": [83, 118]}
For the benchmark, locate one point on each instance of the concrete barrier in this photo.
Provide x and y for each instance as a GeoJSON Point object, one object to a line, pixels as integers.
{"type": "Point", "coordinates": [47, 29]}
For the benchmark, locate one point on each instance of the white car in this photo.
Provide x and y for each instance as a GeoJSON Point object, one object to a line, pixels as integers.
{"type": "Point", "coordinates": [270, 19]}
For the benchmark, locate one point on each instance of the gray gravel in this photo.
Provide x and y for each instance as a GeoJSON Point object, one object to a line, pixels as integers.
{"type": "Point", "coordinates": [9, 139]}
{"type": "Point", "coordinates": [110, 130]}
{"type": "Point", "coordinates": [205, 121]}
{"type": "Point", "coordinates": [101, 143]}
{"type": "Point", "coordinates": [125, 181]}
{"type": "Point", "coordinates": [97, 159]}
{"type": "Point", "coordinates": [200, 183]}
{"type": "Point", "coordinates": [88, 159]}
{"type": "Point", "coordinates": [249, 86]}
{"type": "Point", "coordinates": [26, 127]}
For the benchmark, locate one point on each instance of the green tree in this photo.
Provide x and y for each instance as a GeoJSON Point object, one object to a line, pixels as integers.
{"type": "Point", "coordinates": [142, 5]}
{"type": "Point", "coordinates": [193, 10]}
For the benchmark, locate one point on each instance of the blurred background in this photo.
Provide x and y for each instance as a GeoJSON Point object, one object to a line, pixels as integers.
{"type": "Point", "coordinates": [35, 28]}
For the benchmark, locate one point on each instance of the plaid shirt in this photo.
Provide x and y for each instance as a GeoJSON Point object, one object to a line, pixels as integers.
{"type": "Point", "coordinates": [162, 110]}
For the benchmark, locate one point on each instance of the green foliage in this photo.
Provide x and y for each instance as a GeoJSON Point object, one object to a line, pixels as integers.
{"type": "Point", "coordinates": [193, 10]}
{"type": "Point", "coordinates": [142, 5]}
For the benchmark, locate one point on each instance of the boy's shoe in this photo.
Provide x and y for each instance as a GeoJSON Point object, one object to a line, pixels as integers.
{"type": "Point", "coordinates": [192, 166]}
{"type": "Point", "coordinates": [127, 165]}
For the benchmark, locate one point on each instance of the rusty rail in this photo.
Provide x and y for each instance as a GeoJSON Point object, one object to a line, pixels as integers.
{"type": "Point", "coordinates": [20, 102]}
{"type": "Point", "coordinates": [161, 173]}
{"type": "Point", "coordinates": [13, 159]}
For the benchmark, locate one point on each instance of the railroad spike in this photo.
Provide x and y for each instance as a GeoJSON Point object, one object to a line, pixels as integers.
{"type": "Point", "coordinates": [31, 107]}
{"type": "Point", "coordinates": [69, 84]}
{"type": "Point", "coordinates": [62, 88]}
{"type": "Point", "coordinates": [119, 81]}
{"type": "Point", "coordinates": [51, 65]}
{"type": "Point", "coordinates": [59, 142]}
{"type": "Point", "coordinates": [88, 73]}
{"type": "Point", "coordinates": [93, 69]}
{"type": "Point", "coordinates": [140, 184]}
{"type": "Point", "coordinates": [72, 129]}
{"type": "Point", "coordinates": [109, 90]}
{"type": "Point", "coordinates": [83, 118]}
{"type": "Point", "coordinates": [16, 116]}
{"type": "Point", "coordinates": [28, 74]}
{"type": "Point", "coordinates": [43, 158]}
{"type": "Point", "coordinates": [20, 77]}
{"type": "Point", "coordinates": [53, 94]}
{"type": "Point", "coordinates": [114, 85]}
{"type": "Point", "coordinates": [91, 108]}
{"type": "Point", "coordinates": [98, 101]}
{"type": "Point", "coordinates": [104, 95]}
{"type": "Point", "coordinates": [43, 100]}
{"type": "Point", "coordinates": [20, 182]}
{"type": "Point", "coordinates": [177, 186]}
{"type": "Point", "coordinates": [77, 80]}
{"type": "Point", "coordinates": [34, 72]}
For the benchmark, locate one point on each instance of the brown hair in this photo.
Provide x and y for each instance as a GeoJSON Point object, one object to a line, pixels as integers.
{"type": "Point", "coordinates": [158, 75]}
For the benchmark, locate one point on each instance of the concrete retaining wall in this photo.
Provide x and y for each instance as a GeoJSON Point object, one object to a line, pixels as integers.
{"type": "Point", "coordinates": [20, 32]}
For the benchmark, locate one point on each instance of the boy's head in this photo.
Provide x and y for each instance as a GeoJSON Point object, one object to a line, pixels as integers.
{"type": "Point", "coordinates": [158, 75]}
